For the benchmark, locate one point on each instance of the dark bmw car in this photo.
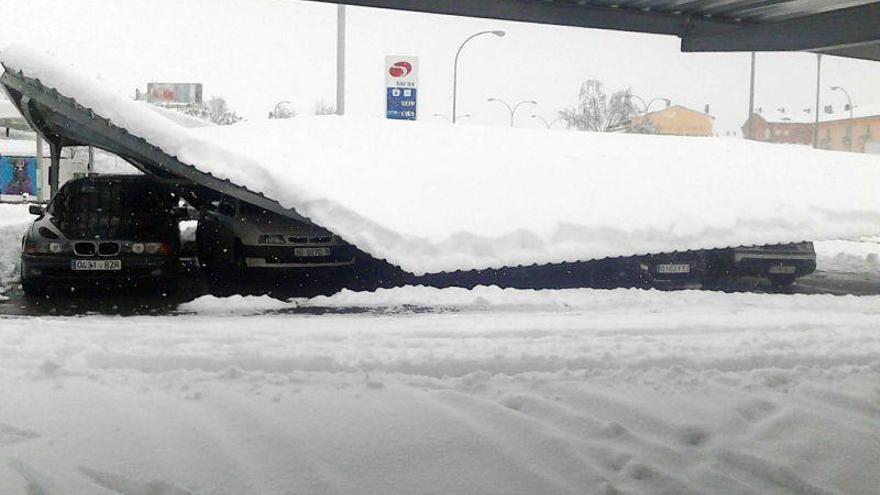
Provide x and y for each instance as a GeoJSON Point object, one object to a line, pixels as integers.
{"type": "Point", "coordinates": [109, 230]}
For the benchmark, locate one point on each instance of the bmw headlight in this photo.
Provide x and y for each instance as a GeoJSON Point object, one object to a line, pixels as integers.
{"type": "Point", "coordinates": [137, 248]}
{"type": "Point", "coordinates": [271, 239]}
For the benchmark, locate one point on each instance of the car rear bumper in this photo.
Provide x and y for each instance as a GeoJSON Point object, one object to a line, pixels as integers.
{"type": "Point", "coordinates": [47, 269]}
{"type": "Point", "coordinates": [284, 257]}
{"type": "Point", "coordinates": [769, 265]}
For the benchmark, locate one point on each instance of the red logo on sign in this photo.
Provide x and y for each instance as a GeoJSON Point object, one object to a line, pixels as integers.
{"type": "Point", "coordinates": [400, 69]}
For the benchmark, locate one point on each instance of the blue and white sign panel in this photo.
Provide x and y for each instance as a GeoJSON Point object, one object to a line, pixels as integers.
{"type": "Point", "coordinates": [402, 83]}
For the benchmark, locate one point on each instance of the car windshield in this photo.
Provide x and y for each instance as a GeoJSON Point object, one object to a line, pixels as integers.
{"type": "Point", "coordinates": [113, 209]}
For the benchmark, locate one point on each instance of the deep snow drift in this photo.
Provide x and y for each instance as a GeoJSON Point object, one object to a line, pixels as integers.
{"type": "Point", "coordinates": [434, 197]}
{"type": "Point", "coordinates": [450, 391]}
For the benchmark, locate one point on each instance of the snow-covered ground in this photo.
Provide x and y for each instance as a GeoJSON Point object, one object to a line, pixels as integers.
{"type": "Point", "coordinates": [14, 221]}
{"type": "Point", "coordinates": [432, 197]}
{"type": "Point", "coordinates": [419, 390]}
{"type": "Point", "coordinates": [858, 256]}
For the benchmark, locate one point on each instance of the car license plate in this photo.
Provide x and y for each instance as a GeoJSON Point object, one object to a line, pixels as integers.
{"type": "Point", "coordinates": [95, 265]}
{"type": "Point", "coordinates": [311, 252]}
{"type": "Point", "coordinates": [674, 268]}
{"type": "Point", "coordinates": [782, 270]}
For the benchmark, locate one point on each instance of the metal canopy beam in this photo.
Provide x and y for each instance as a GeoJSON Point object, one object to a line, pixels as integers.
{"type": "Point", "coordinates": [847, 28]}
{"type": "Point", "coordinates": [575, 14]}
{"type": "Point", "coordinates": [852, 27]}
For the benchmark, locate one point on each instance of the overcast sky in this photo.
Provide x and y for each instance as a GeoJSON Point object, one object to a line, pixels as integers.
{"type": "Point", "coordinates": [258, 52]}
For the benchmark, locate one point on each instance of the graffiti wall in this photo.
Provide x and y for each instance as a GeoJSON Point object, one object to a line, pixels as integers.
{"type": "Point", "coordinates": [18, 175]}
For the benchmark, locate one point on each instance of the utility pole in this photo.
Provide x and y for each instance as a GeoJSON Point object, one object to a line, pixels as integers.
{"type": "Point", "coordinates": [40, 169]}
{"type": "Point", "coordinates": [455, 67]}
{"type": "Point", "coordinates": [340, 59]}
{"type": "Point", "coordinates": [818, 87]}
{"type": "Point", "coordinates": [750, 125]}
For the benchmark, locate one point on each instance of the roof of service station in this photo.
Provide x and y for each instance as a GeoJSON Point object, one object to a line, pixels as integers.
{"type": "Point", "coordinates": [837, 27]}
{"type": "Point", "coordinates": [432, 197]}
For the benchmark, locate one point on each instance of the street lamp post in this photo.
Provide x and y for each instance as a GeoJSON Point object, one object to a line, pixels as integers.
{"type": "Point", "coordinates": [455, 66]}
{"type": "Point", "coordinates": [849, 101]}
{"type": "Point", "coordinates": [274, 114]}
{"type": "Point", "coordinates": [512, 109]}
{"type": "Point", "coordinates": [647, 105]}
{"type": "Point", "coordinates": [546, 124]}
{"type": "Point", "coordinates": [444, 117]}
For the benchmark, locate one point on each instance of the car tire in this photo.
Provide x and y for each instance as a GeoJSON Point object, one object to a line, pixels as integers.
{"type": "Point", "coordinates": [782, 281]}
{"type": "Point", "coordinates": [31, 288]}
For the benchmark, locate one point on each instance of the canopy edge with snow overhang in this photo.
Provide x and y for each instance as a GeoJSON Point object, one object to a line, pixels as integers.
{"type": "Point", "coordinates": [431, 197]}
{"type": "Point", "coordinates": [62, 122]}
{"type": "Point", "coordinates": [846, 28]}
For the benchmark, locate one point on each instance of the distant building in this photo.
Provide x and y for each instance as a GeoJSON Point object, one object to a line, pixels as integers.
{"type": "Point", "coordinates": [676, 120]}
{"type": "Point", "coordinates": [836, 129]}
{"type": "Point", "coordinates": [781, 126]}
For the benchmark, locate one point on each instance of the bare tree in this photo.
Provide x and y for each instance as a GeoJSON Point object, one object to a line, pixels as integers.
{"type": "Point", "coordinates": [595, 111]}
{"type": "Point", "coordinates": [324, 108]}
{"type": "Point", "coordinates": [220, 113]}
{"type": "Point", "coordinates": [216, 110]}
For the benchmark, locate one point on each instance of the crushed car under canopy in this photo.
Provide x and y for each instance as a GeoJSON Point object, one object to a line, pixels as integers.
{"type": "Point", "coordinates": [433, 197]}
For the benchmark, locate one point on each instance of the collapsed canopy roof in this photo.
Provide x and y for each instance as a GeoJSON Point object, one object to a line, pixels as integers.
{"type": "Point", "coordinates": [436, 197]}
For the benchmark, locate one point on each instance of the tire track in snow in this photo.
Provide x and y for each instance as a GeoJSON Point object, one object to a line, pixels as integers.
{"type": "Point", "coordinates": [774, 475]}
{"type": "Point", "coordinates": [628, 457]}
{"type": "Point", "coordinates": [37, 482]}
{"type": "Point", "coordinates": [128, 486]}
{"type": "Point", "coordinates": [523, 442]}
{"type": "Point", "coordinates": [10, 435]}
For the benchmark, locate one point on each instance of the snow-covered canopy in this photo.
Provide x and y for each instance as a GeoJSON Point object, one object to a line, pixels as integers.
{"type": "Point", "coordinates": [433, 197]}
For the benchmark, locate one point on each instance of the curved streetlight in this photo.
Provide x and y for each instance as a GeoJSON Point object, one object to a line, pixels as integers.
{"type": "Point", "coordinates": [547, 124]}
{"type": "Point", "coordinates": [849, 100]}
{"type": "Point", "coordinates": [274, 114]}
{"type": "Point", "coordinates": [512, 109]}
{"type": "Point", "coordinates": [455, 66]}
{"type": "Point", "coordinates": [647, 105]}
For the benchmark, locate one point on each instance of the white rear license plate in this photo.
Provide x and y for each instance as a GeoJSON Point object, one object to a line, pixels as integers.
{"type": "Point", "coordinates": [311, 252]}
{"type": "Point", "coordinates": [674, 268]}
{"type": "Point", "coordinates": [95, 265]}
{"type": "Point", "coordinates": [782, 270]}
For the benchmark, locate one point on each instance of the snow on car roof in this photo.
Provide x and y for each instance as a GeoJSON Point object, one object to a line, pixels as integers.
{"type": "Point", "coordinates": [433, 197]}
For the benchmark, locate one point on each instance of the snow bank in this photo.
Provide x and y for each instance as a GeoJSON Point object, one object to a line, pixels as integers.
{"type": "Point", "coordinates": [14, 221]}
{"type": "Point", "coordinates": [232, 305]}
{"type": "Point", "coordinates": [633, 392]}
{"type": "Point", "coordinates": [435, 197]}
{"type": "Point", "coordinates": [859, 256]}
{"type": "Point", "coordinates": [492, 299]}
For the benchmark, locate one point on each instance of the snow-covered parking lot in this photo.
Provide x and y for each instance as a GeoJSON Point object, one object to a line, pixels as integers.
{"type": "Point", "coordinates": [419, 390]}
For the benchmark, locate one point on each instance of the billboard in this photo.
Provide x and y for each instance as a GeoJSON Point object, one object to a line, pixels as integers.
{"type": "Point", "coordinates": [401, 87]}
{"type": "Point", "coordinates": [18, 175]}
{"type": "Point", "coordinates": [174, 93]}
